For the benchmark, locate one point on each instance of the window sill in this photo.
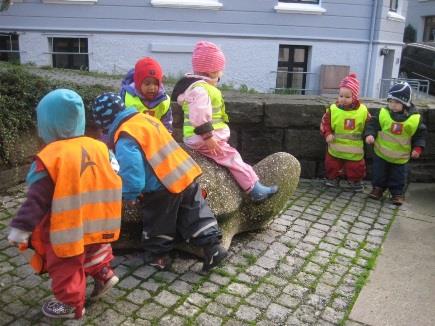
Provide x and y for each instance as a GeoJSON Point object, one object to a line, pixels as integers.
{"type": "Point", "coordinates": [395, 16]}
{"type": "Point", "coordinates": [297, 8]}
{"type": "Point", "coordinates": [193, 4]}
{"type": "Point", "coordinates": [71, 2]}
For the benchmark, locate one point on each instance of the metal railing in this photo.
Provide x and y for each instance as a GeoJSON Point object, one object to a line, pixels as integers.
{"type": "Point", "coordinates": [297, 78]}
{"type": "Point", "coordinates": [420, 87]}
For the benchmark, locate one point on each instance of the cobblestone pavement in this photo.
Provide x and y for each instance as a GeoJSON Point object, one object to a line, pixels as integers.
{"type": "Point", "coordinates": [306, 268]}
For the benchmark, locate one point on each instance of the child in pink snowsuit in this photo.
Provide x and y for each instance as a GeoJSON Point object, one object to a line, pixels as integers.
{"type": "Point", "coordinates": [205, 120]}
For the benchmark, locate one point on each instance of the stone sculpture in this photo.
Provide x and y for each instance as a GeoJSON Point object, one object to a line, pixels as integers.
{"type": "Point", "coordinates": [234, 210]}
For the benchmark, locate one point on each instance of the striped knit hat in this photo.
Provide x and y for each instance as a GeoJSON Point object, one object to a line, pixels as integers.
{"type": "Point", "coordinates": [207, 57]}
{"type": "Point", "coordinates": [351, 83]}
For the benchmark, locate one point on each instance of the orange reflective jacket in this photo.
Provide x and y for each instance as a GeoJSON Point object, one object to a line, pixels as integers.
{"type": "Point", "coordinates": [86, 205]}
{"type": "Point", "coordinates": [175, 169]}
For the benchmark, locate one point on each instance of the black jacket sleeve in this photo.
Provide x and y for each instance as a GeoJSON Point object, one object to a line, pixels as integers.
{"type": "Point", "coordinates": [419, 138]}
{"type": "Point", "coordinates": [372, 127]}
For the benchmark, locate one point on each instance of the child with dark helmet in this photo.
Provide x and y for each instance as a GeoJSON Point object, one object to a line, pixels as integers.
{"type": "Point", "coordinates": [397, 134]}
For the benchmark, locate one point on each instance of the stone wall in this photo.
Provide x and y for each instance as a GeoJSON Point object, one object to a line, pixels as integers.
{"type": "Point", "coordinates": [264, 124]}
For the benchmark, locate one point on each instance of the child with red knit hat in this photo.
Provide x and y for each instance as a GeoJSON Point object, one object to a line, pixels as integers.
{"type": "Point", "coordinates": [142, 88]}
{"type": "Point", "coordinates": [205, 120]}
{"type": "Point", "coordinates": [342, 126]}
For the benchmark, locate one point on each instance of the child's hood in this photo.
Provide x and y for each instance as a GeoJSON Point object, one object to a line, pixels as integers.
{"type": "Point", "coordinates": [183, 84]}
{"type": "Point", "coordinates": [60, 115]}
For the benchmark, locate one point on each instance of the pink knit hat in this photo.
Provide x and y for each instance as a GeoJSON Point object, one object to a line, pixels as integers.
{"type": "Point", "coordinates": [207, 57]}
{"type": "Point", "coordinates": [353, 84]}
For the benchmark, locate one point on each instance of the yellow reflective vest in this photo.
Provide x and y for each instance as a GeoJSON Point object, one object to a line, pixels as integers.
{"type": "Point", "coordinates": [175, 169]}
{"type": "Point", "coordinates": [393, 142]}
{"type": "Point", "coordinates": [348, 127]}
{"type": "Point", "coordinates": [86, 205]}
{"type": "Point", "coordinates": [159, 111]}
{"type": "Point", "coordinates": [219, 116]}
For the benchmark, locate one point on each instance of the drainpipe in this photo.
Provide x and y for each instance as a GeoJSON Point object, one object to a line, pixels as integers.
{"type": "Point", "coordinates": [370, 50]}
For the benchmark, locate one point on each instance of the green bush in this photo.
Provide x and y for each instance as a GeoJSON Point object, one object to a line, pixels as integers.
{"type": "Point", "coordinates": [20, 92]}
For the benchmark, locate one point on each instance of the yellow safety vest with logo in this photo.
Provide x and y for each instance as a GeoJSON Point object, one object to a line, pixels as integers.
{"type": "Point", "coordinates": [348, 127]}
{"type": "Point", "coordinates": [393, 142]}
{"type": "Point", "coordinates": [86, 204]}
{"type": "Point", "coordinates": [159, 111]}
{"type": "Point", "coordinates": [175, 169]}
{"type": "Point", "coordinates": [219, 116]}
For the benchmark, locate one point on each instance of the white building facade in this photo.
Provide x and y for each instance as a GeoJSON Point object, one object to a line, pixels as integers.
{"type": "Point", "coordinates": [268, 44]}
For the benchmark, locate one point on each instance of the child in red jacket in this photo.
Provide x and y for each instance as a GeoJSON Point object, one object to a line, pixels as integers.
{"type": "Point", "coordinates": [342, 126]}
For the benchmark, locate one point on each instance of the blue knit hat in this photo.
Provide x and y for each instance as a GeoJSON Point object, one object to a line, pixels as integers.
{"type": "Point", "coordinates": [105, 109]}
{"type": "Point", "coordinates": [400, 92]}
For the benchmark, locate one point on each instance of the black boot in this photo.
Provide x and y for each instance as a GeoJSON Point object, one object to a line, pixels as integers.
{"type": "Point", "coordinates": [213, 256]}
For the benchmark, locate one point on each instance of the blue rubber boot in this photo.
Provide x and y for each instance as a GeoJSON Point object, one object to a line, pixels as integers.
{"type": "Point", "coordinates": [261, 192]}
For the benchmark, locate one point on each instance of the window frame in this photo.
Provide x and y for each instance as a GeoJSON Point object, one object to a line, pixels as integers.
{"type": "Point", "coordinates": [11, 51]}
{"type": "Point", "coordinates": [311, 2]}
{"type": "Point", "coordinates": [428, 26]}
{"type": "Point", "coordinates": [290, 64]}
{"type": "Point", "coordinates": [71, 2]}
{"type": "Point", "coordinates": [394, 5]}
{"type": "Point", "coordinates": [191, 4]}
{"type": "Point", "coordinates": [313, 7]}
{"type": "Point", "coordinates": [53, 53]}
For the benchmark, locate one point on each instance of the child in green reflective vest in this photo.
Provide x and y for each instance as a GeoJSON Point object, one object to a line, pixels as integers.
{"type": "Point", "coordinates": [142, 88]}
{"type": "Point", "coordinates": [397, 134]}
{"type": "Point", "coordinates": [342, 126]}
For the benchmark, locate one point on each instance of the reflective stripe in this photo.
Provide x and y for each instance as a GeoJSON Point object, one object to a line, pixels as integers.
{"type": "Point", "coordinates": [357, 136]}
{"type": "Point", "coordinates": [215, 110]}
{"type": "Point", "coordinates": [397, 140]}
{"type": "Point", "coordinates": [166, 237]}
{"type": "Point", "coordinates": [203, 228]}
{"type": "Point", "coordinates": [77, 201]}
{"type": "Point", "coordinates": [76, 234]}
{"type": "Point", "coordinates": [346, 149]}
{"type": "Point", "coordinates": [99, 251]}
{"type": "Point", "coordinates": [178, 172]}
{"type": "Point", "coordinates": [163, 153]}
{"type": "Point", "coordinates": [390, 153]}
{"type": "Point", "coordinates": [95, 261]}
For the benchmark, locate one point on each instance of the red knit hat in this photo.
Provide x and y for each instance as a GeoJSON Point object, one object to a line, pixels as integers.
{"type": "Point", "coordinates": [147, 67]}
{"type": "Point", "coordinates": [207, 57]}
{"type": "Point", "coordinates": [353, 84]}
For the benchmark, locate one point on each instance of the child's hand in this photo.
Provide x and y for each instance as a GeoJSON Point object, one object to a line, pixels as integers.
{"type": "Point", "coordinates": [130, 204]}
{"type": "Point", "coordinates": [415, 154]}
{"type": "Point", "coordinates": [213, 146]}
{"type": "Point", "coordinates": [18, 237]}
{"type": "Point", "coordinates": [370, 139]}
{"type": "Point", "coordinates": [329, 138]}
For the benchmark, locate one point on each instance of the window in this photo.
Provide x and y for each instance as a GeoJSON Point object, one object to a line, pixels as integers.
{"type": "Point", "coordinates": [291, 76]}
{"type": "Point", "coordinates": [71, 2]}
{"type": "Point", "coordinates": [394, 5]}
{"type": "Point", "coordinates": [429, 29]}
{"type": "Point", "coordinates": [300, 1]}
{"type": "Point", "coordinates": [9, 48]}
{"type": "Point", "coordinates": [311, 7]}
{"type": "Point", "coordinates": [69, 53]}
{"type": "Point", "coordinates": [194, 4]}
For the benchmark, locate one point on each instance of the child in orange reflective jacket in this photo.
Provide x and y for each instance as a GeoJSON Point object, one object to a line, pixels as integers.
{"type": "Point", "coordinates": [73, 207]}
